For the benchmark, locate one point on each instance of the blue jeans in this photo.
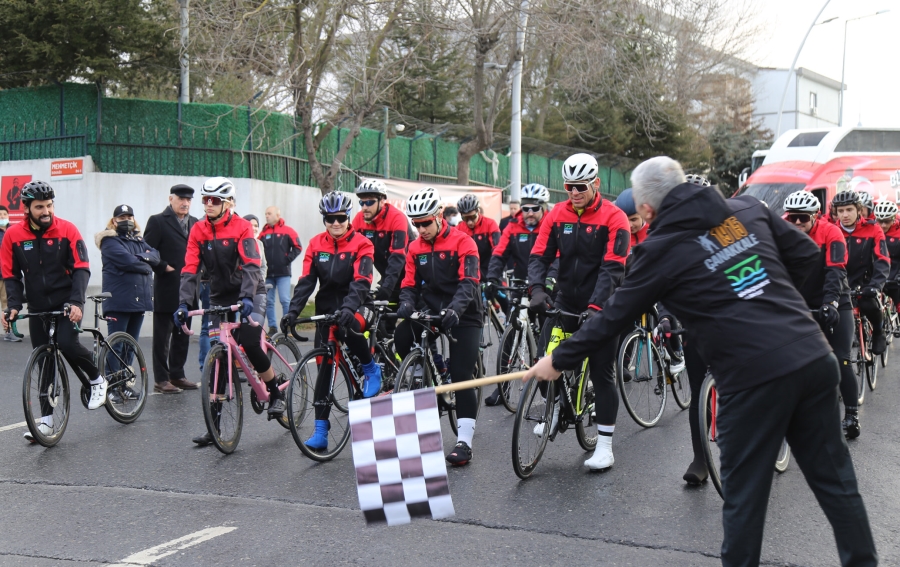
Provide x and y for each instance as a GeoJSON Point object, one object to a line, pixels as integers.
{"type": "Point", "coordinates": [204, 326]}
{"type": "Point", "coordinates": [129, 322]}
{"type": "Point", "coordinates": [283, 285]}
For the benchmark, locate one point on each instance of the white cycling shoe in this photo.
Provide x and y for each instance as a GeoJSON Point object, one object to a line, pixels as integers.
{"type": "Point", "coordinates": [539, 428]}
{"type": "Point", "coordinates": [603, 455]}
{"type": "Point", "coordinates": [44, 430]}
{"type": "Point", "coordinates": [98, 395]}
{"type": "Point", "coordinates": [676, 366]}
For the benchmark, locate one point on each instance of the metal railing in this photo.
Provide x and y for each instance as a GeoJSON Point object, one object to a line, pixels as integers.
{"type": "Point", "coordinates": [41, 148]}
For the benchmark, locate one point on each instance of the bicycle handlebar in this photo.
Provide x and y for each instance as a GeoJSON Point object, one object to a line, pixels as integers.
{"type": "Point", "coordinates": [45, 315]}
{"type": "Point", "coordinates": [215, 311]}
{"type": "Point", "coordinates": [553, 312]}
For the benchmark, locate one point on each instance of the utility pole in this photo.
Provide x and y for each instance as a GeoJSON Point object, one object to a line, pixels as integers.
{"type": "Point", "coordinates": [184, 93]}
{"type": "Point", "coordinates": [515, 158]}
{"type": "Point", "coordinates": [387, 152]}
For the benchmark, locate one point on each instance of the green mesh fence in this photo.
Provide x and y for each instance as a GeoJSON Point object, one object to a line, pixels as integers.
{"type": "Point", "coordinates": [146, 136]}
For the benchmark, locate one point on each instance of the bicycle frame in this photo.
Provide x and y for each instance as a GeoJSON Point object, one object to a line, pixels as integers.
{"type": "Point", "coordinates": [557, 335]}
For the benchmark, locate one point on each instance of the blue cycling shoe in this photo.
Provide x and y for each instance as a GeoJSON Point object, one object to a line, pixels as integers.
{"type": "Point", "coordinates": [319, 439]}
{"type": "Point", "coordinates": [372, 383]}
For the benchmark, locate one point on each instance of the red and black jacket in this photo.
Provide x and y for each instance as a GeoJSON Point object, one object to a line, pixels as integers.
{"type": "Point", "coordinates": [592, 248]}
{"type": "Point", "coordinates": [486, 235]}
{"type": "Point", "coordinates": [827, 281]}
{"type": "Point", "coordinates": [281, 246]}
{"type": "Point", "coordinates": [230, 254]}
{"type": "Point", "coordinates": [343, 269]}
{"type": "Point", "coordinates": [639, 236]}
{"type": "Point", "coordinates": [892, 239]}
{"type": "Point", "coordinates": [444, 274]}
{"type": "Point", "coordinates": [49, 266]}
{"type": "Point", "coordinates": [389, 234]}
{"type": "Point", "coordinates": [868, 264]}
{"type": "Point", "coordinates": [516, 242]}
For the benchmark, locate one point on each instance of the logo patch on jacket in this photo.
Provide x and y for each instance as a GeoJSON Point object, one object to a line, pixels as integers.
{"type": "Point", "coordinates": [28, 245]}
{"type": "Point", "coordinates": [748, 277]}
{"type": "Point", "coordinates": [324, 256]}
{"type": "Point", "coordinates": [732, 238]}
{"type": "Point", "coordinates": [523, 238]}
{"type": "Point", "coordinates": [568, 228]}
{"type": "Point", "coordinates": [423, 259]}
{"type": "Point", "coordinates": [370, 234]}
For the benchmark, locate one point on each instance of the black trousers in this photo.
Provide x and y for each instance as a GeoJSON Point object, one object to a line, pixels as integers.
{"type": "Point", "coordinates": [80, 358]}
{"type": "Point", "coordinates": [752, 423]}
{"type": "Point", "coordinates": [358, 346]}
{"type": "Point", "coordinates": [871, 308]}
{"type": "Point", "coordinates": [696, 371]}
{"type": "Point", "coordinates": [463, 356]}
{"type": "Point", "coordinates": [170, 349]}
{"type": "Point", "coordinates": [840, 337]}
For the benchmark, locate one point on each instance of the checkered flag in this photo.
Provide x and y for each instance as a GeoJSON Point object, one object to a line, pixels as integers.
{"type": "Point", "coordinates": [399, 458]}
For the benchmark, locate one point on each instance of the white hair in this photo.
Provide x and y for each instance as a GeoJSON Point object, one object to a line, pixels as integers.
{"type": "Point", "coordinates": [652, 180]}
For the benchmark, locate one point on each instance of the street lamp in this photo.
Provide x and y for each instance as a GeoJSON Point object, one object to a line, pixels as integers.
{"type": "Point", "coordinates": [787, 80]}
{"type": "Point", "coordinates": [844, 61]}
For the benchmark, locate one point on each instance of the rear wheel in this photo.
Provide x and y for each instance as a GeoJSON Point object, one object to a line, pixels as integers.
{"type": "Point", "coordinates": [515, 354]}
{"type": "Point", "coordinates": [284, 369]}
{"type": "Point", "coordinates": [871, 363]}
{"type": "Point", "coordinates": [708, 431]}
{"type": "Point", "coordinates": [534, 409]}
{"type": "Point", "coordinates": [784, 457]}
{"type": "Point", "coordinates": [415, 374]}
{"type": "Point", "coordinates": [681, 389]}
{"type": "Point", "coordinates": [640, 374]}
{"type": "Point", "coordinates": [859, 369]}
{"type": "Point", "coordinates": [223, 406]}
{"type": "Point", "coordinates": [585, 429]}
{"type": "Point", "coordinates": [45, 396]}
{"type": "Point", "coordinates": [122, 363]}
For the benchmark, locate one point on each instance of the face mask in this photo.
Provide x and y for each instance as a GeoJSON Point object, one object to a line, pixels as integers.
{"type": "Point", "coordinates": [125, 226]}
{"type": "Point", "coordinates": [4, 222]}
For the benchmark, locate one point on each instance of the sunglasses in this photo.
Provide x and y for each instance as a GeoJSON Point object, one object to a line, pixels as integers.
{"type": "Point", "coordinates": [576, 187]}
{"type": "Point", "coordinates": [331, 219]}
{"type": "Point", "coordinates": [216, 201]}
{"type": "Point", "coordinates": [423, 224]}
{"type": "Point", "coordinates": [472, 217]}
{"type": "Point", "coordinates": [367, 202]}
{"type": "Point", "coordinates": [799, 217]}
{"type": "Point", "coordinates": [530, 208]}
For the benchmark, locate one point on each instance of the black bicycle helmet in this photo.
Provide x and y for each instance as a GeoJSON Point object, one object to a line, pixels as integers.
{"type": "Point", "coordinates": [37, 191]}
{"type": "Point", "coordinates": [468, 204]}
{"type": "Point", "coordinates": [845, 198]}
{"type": "Point", "coordinates": [335, 202]}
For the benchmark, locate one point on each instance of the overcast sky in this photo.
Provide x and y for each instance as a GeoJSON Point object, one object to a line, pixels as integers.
{"type": "Point", "coordinates": [873, 44]}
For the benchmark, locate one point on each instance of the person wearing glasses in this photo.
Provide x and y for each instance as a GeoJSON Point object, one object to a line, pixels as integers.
{"type": "Point", "coordinates": [340, 261]}
{"type": "Point", "coordinates": [826, 290]}
{"type": "Point", "coordinates": [868, 264]}
{"type": "Point", "coordinates": [224, 244]}
{"type": "Point", "coordinates": [386, 227]}
{"type": "Point", "coordinates": [442, 277]}
{"type": "Point", "coordinates": [592, 239]}
{"type": "Point", "coordinates": [483, 230]}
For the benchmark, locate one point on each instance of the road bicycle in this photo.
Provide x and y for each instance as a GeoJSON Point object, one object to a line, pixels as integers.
{"type": "Point", "coordinates": [221, 394]}
{"type": "Point", "coordinates": [534, 417]}
{"type": "Point", "coordinates": [643, 372]}
{"type": "Point", "coordinates": [344, 382]}
{"type": "Point", "coordinates": [45, 387]}
{"type": "Point", "coordinates": [518, 346]}
{"type": "Point", "coordinates": [891, 326]}
{"type": "Point", "coordinates": [709, 435]}
{"type": "Point", "coordinates": [419, 370]}
{"type": "Point", "coordinates": [863, 361]}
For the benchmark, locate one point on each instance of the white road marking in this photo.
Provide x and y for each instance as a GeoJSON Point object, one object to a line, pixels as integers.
{"type": "Point", "coordinates": [148, 556]}
{"type": "Point", "coordinates": [13, 426]}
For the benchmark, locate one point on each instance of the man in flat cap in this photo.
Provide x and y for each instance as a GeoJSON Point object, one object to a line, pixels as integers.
{"type": "Point", "coordinates": [168, 233]}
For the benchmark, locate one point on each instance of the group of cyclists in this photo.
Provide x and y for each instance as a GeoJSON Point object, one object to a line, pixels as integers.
{"type": "Point", "coordinates": [573, 257]}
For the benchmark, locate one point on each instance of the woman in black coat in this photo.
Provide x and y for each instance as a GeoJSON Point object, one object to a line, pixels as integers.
{"type": "Point", "coordinates": [128, 264]}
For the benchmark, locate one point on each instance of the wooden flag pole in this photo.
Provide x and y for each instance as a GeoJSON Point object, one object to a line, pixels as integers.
{"type": "Point", "coordinates": [478, 382]}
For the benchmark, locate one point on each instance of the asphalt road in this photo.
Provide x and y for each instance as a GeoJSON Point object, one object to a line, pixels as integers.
{"type": "Point", "coordinates": [142, 494]}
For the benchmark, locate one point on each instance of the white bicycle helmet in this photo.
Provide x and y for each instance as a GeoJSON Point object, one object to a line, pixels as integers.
{"type": "Point", "coordinates": [535, 191]}
{"type": "Point", "coordinates": [886, 210]}
{"type": "Point", "coordinates": [423, 203]}
{"type": "Point", "coordinates": [801, 202]}
{"type": "Point", "coordinates": [697, 179]}
{"type": "Point", "coordinates": [865, 199]}
{"type": "Point", "coordinates": [372, 186]}
{"type": "Point", "coordinates": [580, 168]}
{"type": "Point", "coordinates": [221, 187]}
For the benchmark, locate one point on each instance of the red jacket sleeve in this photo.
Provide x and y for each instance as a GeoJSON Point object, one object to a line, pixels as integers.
{"type": "Point", "coordinates": [79, 264]}
{"type": "Point", "coordinates": [469, 287]}
{"type": "Point", "coordinates": [543, 252]}
{"type": "Point", "coordinates": [190, 274]}
{"type": "Point", "coordinates": [306, 283]}
{"type": "Point", "coordinates": [882, 265]}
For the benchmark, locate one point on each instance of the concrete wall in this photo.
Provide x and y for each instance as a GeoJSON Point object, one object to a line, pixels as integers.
{"type": "Point", "coordinates": [89, 202]}
{"type": "Point", "coordinates": [768, 86]}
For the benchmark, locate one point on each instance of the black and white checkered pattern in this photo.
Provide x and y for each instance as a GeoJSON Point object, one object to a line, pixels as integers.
{"type": "Point", "coordinates": [399, 458]}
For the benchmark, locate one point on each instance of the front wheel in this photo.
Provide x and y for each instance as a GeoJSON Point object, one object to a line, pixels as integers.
{"type": "Point", "coordinates": [531, 429]}
{"type": "Point", "coordinates": [45, 396]}
{"type": "Point", "coordinates": [784, 457]}
{"type": "Point", "coordinates": [222, 400]}
{"type": "Point", "coordinates": [641, 377]}
{"type": "Point", "coordinates": [516, 353]}
{"type": "Point", "coordinates": [287, 350]}
{"type": "Point", "coordinates": [681, 389]}
{"type": "Point", "coordinates": [415, 374]}
{"type": "Point", "coordinates": [585, 429]}
{"type": "Point", "coordinates": [121, 362]}
{"type": "Point", "coordinates": [859, 371]}
{"type": "Point", "coordinates": [708, 430]}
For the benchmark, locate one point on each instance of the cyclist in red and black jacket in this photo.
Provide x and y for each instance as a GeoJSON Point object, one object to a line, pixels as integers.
{"type": "Point", "coordinates": [442, 277]}
{"type": "Point", "coordinates": [387, 228]}
{"type": "Point", "coordinates": [483, 230]}
{"type": "Point", "coordinates": [280, 247]}
{"type": "Point", "coordinates": [224, 245]}
{"type": "Point", "coordinates": [340, 261]}
{"type": "Point", "coordinates": [868, 264]}
{"type": "Point", "coordinates": [827, 292]}
{"type": "Point", "coordinates": [592, 239]}
{"type": "Point", "coordinates": [45, 258]}
{"type": "Point", "coordinates": [886, 215]}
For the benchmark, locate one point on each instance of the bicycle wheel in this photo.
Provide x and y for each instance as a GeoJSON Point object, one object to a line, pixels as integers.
{"type": "Point", "coordinates": [222, 400]}
{"type": "Point", "coordinates": [492, 331]}
{"type": "Point", "coordinates": [640, 374]}
{"type": "Point", "coordinates": [289, 350]}
{"type": "Point", "coordinates": [784, 457]}
{"type": "Point", "coordinates": [515, 354]}
{"type": "Point", "coordinates": [585, 429]}
{"type": "Point", "coordinates": [302, 390]}
{"type": "Point", "coordinates": [121, 362]}
{"type": "Point", "coordinates": [708, 432]}
{"type": "Point", "coordinates": [45, 395]}
{"type": "Point", "coordinates": [386, 357]}
{"type": "Point", "coordinates": [871, 363]}
{"type": "Point", "coordinates": [415, 374]}
{"type": "Point", "coordinates": [859, 370]}
{"type": "Point", "coordinates": [681, 389]}
{"type": "Point", "coordinates": [534, 409]}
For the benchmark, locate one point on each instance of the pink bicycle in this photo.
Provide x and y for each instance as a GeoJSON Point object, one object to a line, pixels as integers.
{"type": "Point", "coordinates": [223, 407]}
